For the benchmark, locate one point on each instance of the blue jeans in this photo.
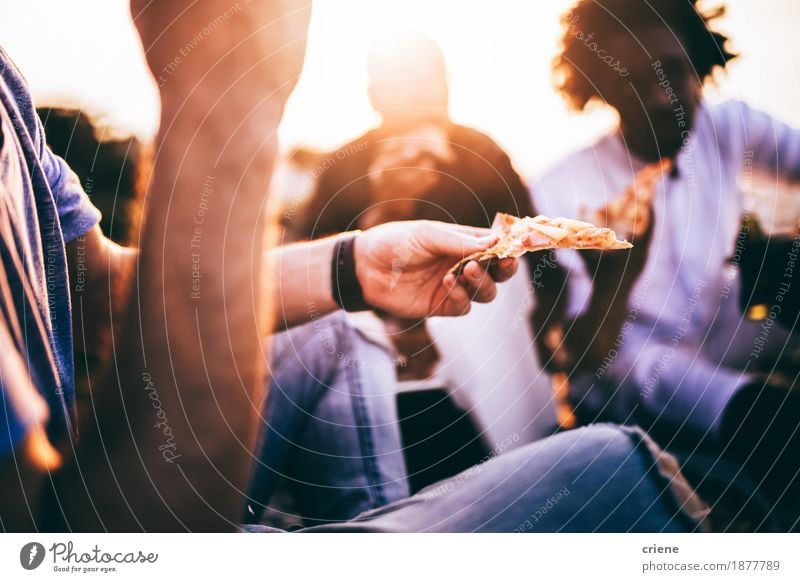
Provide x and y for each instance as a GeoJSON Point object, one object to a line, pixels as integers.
{"type": "Point", "coordinates": [598, 478]}
{"type": "Point", "coordinates": [330, 428]}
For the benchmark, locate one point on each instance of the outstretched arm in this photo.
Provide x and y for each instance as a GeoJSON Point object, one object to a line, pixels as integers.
{"type": "Point", "coordinates": [402, 268]}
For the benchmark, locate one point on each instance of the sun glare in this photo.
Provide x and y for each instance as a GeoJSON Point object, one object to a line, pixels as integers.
{"type": "Point", "coordinates": [498, 56]}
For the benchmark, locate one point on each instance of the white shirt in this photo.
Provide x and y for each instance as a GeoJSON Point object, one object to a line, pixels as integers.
{"type": "Point", "coordinates": [685, 343]}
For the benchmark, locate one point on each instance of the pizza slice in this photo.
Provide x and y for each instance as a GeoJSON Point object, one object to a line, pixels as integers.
{"type": "Point", "coordinates": [523, 235]}
{"type": "Point", "coordinates": [630, 213]}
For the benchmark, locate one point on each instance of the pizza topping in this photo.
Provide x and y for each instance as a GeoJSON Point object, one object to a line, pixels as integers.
{"type": "Point", "coordinates": [522, 235]}
{"type": "Point", "coordinates": [553, 232]}
{"type": "Point", "coordinates": [630, 212]}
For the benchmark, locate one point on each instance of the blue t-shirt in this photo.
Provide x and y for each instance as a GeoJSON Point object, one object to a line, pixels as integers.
{"type": "Point", "coordinates": [42, 207]}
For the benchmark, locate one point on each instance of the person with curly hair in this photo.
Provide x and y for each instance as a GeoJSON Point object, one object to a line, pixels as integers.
{"type": "Point", "coordinates": [657, 335]}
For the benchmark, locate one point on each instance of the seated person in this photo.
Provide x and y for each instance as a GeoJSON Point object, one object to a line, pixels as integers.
{"type": "Point", "coordinates": [655, 334]}
{"type": "Point", "coordinates": [166, 446]}
{"type": "Point", "coordinates": [417, 164]}
{"type": "Point", "coordinates": [330, 430]}
{"type": "Point", "coordinates": [111, 171]}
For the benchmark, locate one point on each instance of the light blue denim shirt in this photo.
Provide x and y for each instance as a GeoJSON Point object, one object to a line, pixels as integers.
{"type": "Point", "coordinates": [42, 207]}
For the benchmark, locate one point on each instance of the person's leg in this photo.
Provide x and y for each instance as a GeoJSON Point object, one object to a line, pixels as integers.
{"type": "Point", "coordinates": [689, 388]}
{"type": "Point", "coordinates": [761, 428]}
{"type": "Point", "coordinates": [329, 425]}
{"type": "Point", "coordinates": [598, 478]}
{"type": "Point", "coordinates": [760, 425]}
{"type": "Point", "coordinates": [696, 407]}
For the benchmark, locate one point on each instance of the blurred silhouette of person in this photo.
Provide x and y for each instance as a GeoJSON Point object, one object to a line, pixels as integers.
{"type": "Point", "coordinates": [110, 169]}
{"type": "Point", "coordinates": [111, 172]}
{"type": "Point", "coordinates": [417, 164]}
{"type": "Point", "coordinates": [655, 334]}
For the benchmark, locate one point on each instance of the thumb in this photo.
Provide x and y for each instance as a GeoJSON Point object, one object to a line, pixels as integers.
{"type": "Point", "coordinates": [450, 241]}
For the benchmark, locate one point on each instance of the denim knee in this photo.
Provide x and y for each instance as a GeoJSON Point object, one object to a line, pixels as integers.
{"type": "Point", "coordinates": [620, 443]}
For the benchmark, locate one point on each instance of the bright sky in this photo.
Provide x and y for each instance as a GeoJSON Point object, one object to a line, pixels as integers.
{"type": "Point", "coordinates": [85, 53]}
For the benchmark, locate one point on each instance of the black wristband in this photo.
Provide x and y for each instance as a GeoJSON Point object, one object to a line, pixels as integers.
{"type": "Point", "coordinates": [346, 289]}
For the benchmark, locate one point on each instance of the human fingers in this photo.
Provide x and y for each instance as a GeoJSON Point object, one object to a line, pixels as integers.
{"type": "Point", "coordinates": [452, 241]}
{"type": "Point", "coordinates": [478, 282]}
{"type": "Point", "coordinates": [456, 300]}
{"type": "Point", "coordinates": [504, 269]}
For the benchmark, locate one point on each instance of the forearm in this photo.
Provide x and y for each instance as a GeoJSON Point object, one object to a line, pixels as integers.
{"type": "Point", "coordinates": [592, 334]}
{"type": "Point", "coordinates": [300, 281]}
{"type": "Point", "coordinates": [401, 268]}
{"type": "Point", "coordinates": [675, 379]}
{"type": "Point", "coordinates": [100, 274]}
{"type": "Point", "coordinates": [613, 276]}
{"type": "Point", "coordinates": [171, 448]}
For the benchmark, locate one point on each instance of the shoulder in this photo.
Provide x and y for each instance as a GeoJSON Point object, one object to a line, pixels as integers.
{"type": "Point", "coordinates": [360, 144]}
{"type": "Point", "coordinates": [734, 127]}
{"type": "Point", "coordinates": [16, 91]}
{"type": "Point", "coordinates": [474, 139]}
{"type": "Point", "coordinates": [736, 117]}
{"type": "Point", "coordinates": [346, 162]}
{"type": "Point", "coordinates": [575, 179]}
{"type": "Point", "coordinates": [480, 155]}
{"type": "Point", "coordinates": [725, 111]}
{"type": "Point", "coordinates": [12, 75]}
